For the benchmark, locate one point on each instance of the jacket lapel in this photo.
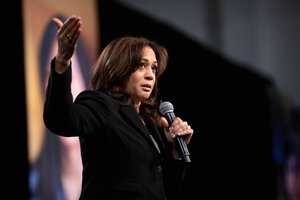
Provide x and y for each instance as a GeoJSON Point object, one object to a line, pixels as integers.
{"type": "Point", "coordinates": [156, 135]}
{"type": "Point", "coordinates": [130, 114]}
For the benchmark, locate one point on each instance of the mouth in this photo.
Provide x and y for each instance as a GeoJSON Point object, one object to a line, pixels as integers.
{"type": "Point", "coordinates": [146, 87]}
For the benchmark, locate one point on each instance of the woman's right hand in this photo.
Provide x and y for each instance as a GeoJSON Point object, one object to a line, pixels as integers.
{"type": "Point", "coordinates": [67, 38]}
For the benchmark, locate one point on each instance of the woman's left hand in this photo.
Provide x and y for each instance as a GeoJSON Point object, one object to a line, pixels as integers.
{"type": "Point", "coordinates": [177, 128]}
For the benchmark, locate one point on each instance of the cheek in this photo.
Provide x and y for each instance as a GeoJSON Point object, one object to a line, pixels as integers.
{"type": "Point", "coordinates": [131, 84]}
{"type": "Point", "coordinates": [135, 78]}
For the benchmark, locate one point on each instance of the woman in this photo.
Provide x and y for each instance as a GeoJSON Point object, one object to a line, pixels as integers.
{"type": "Point", "coordinates": [123, 153]}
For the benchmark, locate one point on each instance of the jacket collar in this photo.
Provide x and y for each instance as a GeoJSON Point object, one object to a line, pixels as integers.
{"type": "Point", "coordinates": [131, 115]}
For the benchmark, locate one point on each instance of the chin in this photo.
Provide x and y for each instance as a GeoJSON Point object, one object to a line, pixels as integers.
{"type": "Point", "coordinates": [144, 97]}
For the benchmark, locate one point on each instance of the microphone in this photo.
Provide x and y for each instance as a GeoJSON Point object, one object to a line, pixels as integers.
{"type": "Point", "coordinates": [167, 110]}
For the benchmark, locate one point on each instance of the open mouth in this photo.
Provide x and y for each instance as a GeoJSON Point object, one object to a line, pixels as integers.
{"type": "Point", "coordinates": [146, 87]}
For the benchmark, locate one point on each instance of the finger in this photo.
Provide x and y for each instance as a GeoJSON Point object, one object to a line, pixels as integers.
{"type": "Point", "coordinates": [176, 123]}
{"type": "Point", "coordinates": [185, 130]}
{"type": "Point", "coordinates": [179, 126]}
{"type": "Point", "coordinates": [164, 122]}
{"type": "Point", "coordinates": [75, 31]}
{"type": "Point", "coordinates": [189, 136]}
{"type": "Point", "coordinates": [66, 26]}
{"type": "Point", "coordinates": [185, 125]}
{"type": "Point", "coordinates": [167, 131]}
{"type": "Point", "coordinates": [57, 22]}
{"type": "Point", "coordinates": [70, 30]}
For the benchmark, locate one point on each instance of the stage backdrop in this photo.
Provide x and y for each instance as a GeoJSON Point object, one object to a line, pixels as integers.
{"type": "Point", "coordinates": [49, 155]}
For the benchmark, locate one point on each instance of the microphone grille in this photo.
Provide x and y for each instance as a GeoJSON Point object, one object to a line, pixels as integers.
{"type": "Point", "coordinates": [165, 107]}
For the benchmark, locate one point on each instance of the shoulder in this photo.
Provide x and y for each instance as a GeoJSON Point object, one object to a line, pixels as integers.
{"type": "Point", "coordinates": [92, 95]}
{"type": "Point", "coordinates": [96, 98]}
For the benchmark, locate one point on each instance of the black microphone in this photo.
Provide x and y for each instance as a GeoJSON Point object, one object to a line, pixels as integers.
{"type": "Point", "coordinates": [167, 110]}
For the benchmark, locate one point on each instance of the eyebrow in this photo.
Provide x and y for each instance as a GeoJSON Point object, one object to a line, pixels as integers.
{"type": "Point", "coordinates": [144, 59]}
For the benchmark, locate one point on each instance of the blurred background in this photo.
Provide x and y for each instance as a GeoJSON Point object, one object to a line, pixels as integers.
{"type": "Point", "coordinates": [233, 74]}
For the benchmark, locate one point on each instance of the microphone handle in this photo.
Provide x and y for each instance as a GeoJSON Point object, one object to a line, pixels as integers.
{"type": "Point", "coordinates": [180, 144]}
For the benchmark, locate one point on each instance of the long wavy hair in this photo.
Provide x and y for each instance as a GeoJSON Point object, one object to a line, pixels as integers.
{"type": "Point", "coordinates": [118, 60]}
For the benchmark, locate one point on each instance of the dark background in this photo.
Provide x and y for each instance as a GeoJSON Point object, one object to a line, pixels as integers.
{"type": "Point", "coordinates": [227, 105]}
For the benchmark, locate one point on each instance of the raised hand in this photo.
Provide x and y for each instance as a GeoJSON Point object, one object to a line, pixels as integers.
{"type": "Point", "coordinates": [67, 38]}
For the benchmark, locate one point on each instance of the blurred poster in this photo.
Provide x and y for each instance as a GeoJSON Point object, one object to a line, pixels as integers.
{"type": "Point", "coordinates": [55, 162]}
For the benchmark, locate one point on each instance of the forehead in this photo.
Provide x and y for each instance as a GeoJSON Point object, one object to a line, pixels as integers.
{"type": "Point", "coordinates": [148, 52]}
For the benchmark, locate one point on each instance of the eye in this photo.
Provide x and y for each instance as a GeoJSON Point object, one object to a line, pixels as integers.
{"type": "Point", "coordinates": [142, 65]}
{"type": "Point", "coordinates": [154, 68]}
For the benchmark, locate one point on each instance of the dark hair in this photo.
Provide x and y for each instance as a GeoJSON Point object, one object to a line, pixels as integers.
{"type": "Point", "coordinates": [118, 60]}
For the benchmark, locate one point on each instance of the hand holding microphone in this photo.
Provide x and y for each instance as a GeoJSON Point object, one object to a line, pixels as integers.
{"type": "Point", "coordinates": [180, 130]}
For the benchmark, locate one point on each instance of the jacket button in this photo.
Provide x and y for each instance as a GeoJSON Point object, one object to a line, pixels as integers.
{"type": "Point", "coordinates": [159, 168]}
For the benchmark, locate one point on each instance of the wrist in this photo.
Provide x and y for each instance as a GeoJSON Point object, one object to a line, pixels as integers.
{"type": "Point", "coordinates": [61, 65]}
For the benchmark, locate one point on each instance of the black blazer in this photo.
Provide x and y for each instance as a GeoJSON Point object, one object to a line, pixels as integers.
{"type": "Point", "coordinates": [122, 158]}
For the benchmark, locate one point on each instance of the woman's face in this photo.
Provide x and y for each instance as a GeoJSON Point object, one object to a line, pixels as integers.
{"type": "Point", "coordinates": [141, 81]}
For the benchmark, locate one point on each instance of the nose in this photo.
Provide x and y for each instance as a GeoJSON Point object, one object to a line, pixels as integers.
{"type": "Point", "coordinates": [150, 74]}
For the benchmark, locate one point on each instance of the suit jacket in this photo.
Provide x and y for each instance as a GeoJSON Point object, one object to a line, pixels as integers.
{"type": "Point", "coordinates": [122, 158]}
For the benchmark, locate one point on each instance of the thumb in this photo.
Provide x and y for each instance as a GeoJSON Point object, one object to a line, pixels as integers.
{"type": "Point", "coordinates": [57, 22]}
{"type": "Point", "coordinates": [165, 123]}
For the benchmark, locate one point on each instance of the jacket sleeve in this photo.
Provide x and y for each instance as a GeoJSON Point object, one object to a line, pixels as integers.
{"type": "Point", "coordinates": [58, 99]}
{"type": "Point", "coordinates": [64, 117]}
{"type": "Point", "coordinates": [174, 172]}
